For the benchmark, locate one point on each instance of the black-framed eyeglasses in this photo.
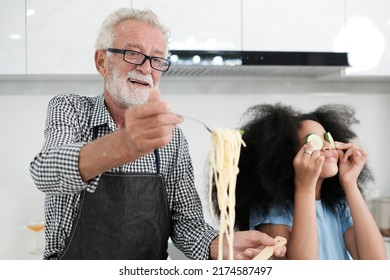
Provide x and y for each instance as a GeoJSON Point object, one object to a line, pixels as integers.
{"type": "Point", "coordinates": [138, 58]}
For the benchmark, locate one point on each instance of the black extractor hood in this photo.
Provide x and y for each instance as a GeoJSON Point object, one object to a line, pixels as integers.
{"type": "Point", "coordinates": [256, 63]}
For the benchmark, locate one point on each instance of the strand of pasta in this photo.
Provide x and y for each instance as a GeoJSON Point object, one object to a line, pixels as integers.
{"type": "Point", "coordinates": [224, 157]}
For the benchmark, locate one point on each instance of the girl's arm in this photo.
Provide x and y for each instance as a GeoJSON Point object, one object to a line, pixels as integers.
{"type": "Point", "coordinates": [303, 241]}
{"type": "Point", "coordinates": [302, 238]}
{"type": "Point", "coordinates": [363, 239]}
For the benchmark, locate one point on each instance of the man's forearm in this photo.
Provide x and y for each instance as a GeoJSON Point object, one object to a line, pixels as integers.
{"type": "Point", "coordinates": [104, 154]}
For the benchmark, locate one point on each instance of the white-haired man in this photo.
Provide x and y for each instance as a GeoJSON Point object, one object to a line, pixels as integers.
{"type": "Point", "coordinates": [115, 168]}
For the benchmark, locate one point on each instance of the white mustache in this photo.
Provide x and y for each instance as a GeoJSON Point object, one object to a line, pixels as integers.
{"type": "Point", "coordinates": [139, 77]}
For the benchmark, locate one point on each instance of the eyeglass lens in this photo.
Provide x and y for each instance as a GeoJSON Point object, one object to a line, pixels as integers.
{"type": "Point", "coordinates": [139, 58]}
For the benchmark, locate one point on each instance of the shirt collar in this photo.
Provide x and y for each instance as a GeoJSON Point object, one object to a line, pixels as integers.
{"type": "Point", "coordinates": [100, 114]}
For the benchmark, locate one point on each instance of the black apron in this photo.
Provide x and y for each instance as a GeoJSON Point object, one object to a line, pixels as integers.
{"type": "Point", "coordinates": [127, 217]}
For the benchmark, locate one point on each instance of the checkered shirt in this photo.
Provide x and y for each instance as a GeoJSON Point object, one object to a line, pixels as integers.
{"type": "Point", "coordinates": [69, 126]}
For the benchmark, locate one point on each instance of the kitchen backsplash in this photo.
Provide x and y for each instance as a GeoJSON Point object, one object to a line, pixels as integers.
{"type": "Point", "coordinates": [219, 102]}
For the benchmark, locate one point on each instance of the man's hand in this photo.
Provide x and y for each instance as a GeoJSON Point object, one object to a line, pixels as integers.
{"type": "Point", "coordinates": [247, 244]}
{"type": "Point", "coordinates": [149, 126]}
{"type": "Point", "coordinates": [146, 127]}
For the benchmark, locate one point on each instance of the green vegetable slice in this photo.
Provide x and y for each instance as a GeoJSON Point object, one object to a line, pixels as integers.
{"type": "Point", "coordinates": [328, 137]}
{"type": "Point", "coordinates": [316, 141]}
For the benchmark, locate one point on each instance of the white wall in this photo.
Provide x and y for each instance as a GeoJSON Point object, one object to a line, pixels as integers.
{"type": "Point", "coordinates": [218, 102]}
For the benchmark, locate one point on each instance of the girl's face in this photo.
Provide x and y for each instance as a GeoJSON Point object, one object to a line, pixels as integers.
{"type": "Point", "coordinates": [330, 166]}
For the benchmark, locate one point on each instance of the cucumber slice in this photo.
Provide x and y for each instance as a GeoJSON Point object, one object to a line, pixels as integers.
{"type": "Point", "coordinates": [316, 141]}
{"type": "Point", "coordinates": [328, 138]}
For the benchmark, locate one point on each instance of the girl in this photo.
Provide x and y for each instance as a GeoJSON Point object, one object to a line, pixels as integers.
{"type": "Point", "coordinates": [311, 195]}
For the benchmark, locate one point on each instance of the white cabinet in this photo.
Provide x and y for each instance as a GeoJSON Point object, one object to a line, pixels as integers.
{"type": "Point", "coordinates": [299, 25]}
{"type": "Point", "coordinates": [199, 24]}
{"type": "Point", "coordinates": [12, 37]}
{"type": "Point", "coordinates": [367, 33]}
{"type": "Point", "coordinates": [57, 37]}
{"type": "Point", "coordinates": [61, 34]}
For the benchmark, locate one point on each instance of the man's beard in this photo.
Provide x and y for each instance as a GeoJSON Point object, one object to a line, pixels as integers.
{"type": "Point", "coordinates": [122, 91]}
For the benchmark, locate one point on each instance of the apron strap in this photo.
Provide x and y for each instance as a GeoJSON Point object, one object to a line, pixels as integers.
{"type": "Point", "coordinates": [157, 158]}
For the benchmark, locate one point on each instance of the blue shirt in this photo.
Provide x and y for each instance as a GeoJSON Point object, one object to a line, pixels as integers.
{"type": "Point", "coordinates": [331, 227]}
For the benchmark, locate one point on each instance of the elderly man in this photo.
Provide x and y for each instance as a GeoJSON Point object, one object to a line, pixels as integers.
{"type": "Point", "coordinates": [115, 168]}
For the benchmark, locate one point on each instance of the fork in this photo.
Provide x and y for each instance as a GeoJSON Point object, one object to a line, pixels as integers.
{"type": "Point", "coordinates": [198, 121]}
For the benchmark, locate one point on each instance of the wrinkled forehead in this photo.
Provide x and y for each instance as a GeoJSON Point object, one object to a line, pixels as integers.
{"type": "Point", "coordinates": [140, 35]}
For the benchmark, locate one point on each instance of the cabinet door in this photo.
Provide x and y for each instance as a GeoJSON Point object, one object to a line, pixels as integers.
{"type": "Point", "coordinates": [199, 24]}
{"type": "Point", "coordinates": [61, 34]}
{"type": "Point", "coordinates": [367, 33]}
{"type": "Point", "coordinates": [299, 25]}
{"type": "Point", "coordinates": [12, 37]}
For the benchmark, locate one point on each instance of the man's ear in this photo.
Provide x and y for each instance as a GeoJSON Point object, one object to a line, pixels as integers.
{"type": "Point", "coordinates": [101, 62]}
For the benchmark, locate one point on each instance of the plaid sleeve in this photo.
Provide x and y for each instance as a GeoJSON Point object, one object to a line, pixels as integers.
{"type": "Point", "coordinates": [191, 234]}
{"type": "Point", "coordinates": [55, 169]}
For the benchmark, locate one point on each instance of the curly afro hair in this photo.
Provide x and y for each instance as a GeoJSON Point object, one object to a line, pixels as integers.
{"type": "Point", "coordinates": [266, 176]}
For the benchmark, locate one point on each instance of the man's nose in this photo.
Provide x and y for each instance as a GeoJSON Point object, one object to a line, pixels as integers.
{"type": "Point", "coordinates": [145, 67]}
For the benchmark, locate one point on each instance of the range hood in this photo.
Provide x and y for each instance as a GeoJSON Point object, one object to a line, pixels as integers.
{"type": "Point", "coordinates": [190, 63]}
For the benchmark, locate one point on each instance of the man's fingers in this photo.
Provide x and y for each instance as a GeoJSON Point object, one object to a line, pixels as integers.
{"type": "Point", "coordinates": [154, 95]}
{"type": "Point", "coordinates": [149, 109]}
{"type": "Point", "coordinates": [250, 253]}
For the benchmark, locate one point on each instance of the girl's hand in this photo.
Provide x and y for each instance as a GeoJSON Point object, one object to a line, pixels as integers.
{"type": "Point", "coordinates": [351, 161]}
{"type": "Point", "coordinates": [307, 165]}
